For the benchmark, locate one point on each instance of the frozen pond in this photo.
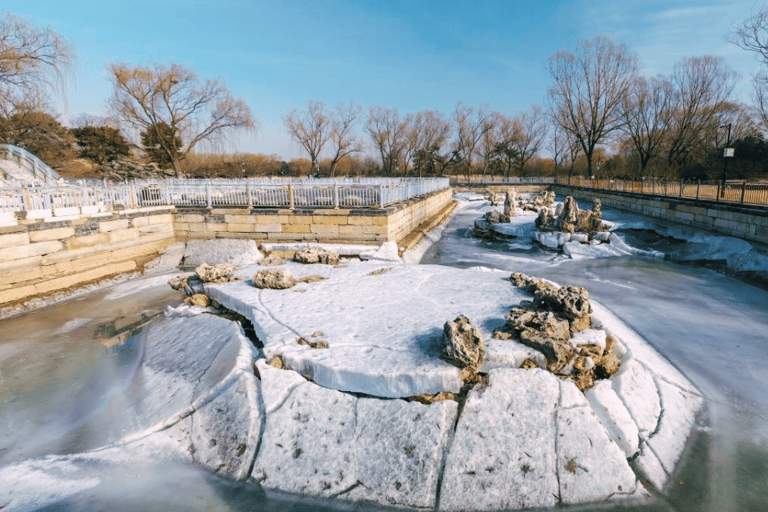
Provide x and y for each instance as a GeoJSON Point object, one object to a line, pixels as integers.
{"type": "Point", "coordinates": [62, 386]}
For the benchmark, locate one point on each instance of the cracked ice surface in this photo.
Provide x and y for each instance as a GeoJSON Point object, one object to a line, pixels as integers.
{"type": "Point", "coordinates": [503, 454]}
{"type": "Point", "coordinates": [323, 442]}
{"type": "Point", "coordinates": [524, 438]}
{"type": "Point", "coordinates": [198, 370]}
{"type": "Point", "coordinates": [383, 332]}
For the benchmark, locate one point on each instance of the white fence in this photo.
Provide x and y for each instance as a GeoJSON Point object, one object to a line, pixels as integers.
{"type": "Point", "coordinates": [37, 169]}
{"type": "Point", "coordinates": [255, 193]}
{"type": "Point", "coordinates": [498, 180]}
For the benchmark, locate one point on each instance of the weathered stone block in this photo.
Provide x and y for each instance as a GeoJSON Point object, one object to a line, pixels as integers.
{"type": "Point", "coordinates": [119, 235]}
{"type": "Point", "coordinates": [44, 235]}
{"type": "Point", "coordinates": [268, 228]}
{"type": "Point", "coordinates": [29, 250]}
{"type": "Point", "coordinates": [111, 225]}
{"type": "Point", "coordinates": [296, 228]}
{"type": "Point", "coordinates": [13, 240]}
{"type": "Point", "coordinates": [190, 218]}
{"type": "Point", "coordinates": [78, 242]}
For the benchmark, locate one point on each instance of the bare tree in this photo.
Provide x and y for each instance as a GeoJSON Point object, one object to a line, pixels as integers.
{"type": "Point", "coordinates": [702, 88]}
{"type": "Point", "coordinates": [565, 148]}
{"type": "Point", "coordinates": [33, 62]}
{"type": "Point", "coordinates": [752, 35]}
{"type": "Point", "coordinates": [311, 128]}
{"type": "Point", "coordinates": [343, 137]}
{"type": "Point", "coordinates": [471, 125]}
{"type": "Point", "coordinates": [489, 144]}
{"type": "Point", "coordinates": [502, 142]}
{"type": "Point", "coordinates": [427, 134]}
{"type": "Point", "coordinates": [388, 133]}
{"type": "Point", "coordinates": [589, 85]}
{"type": "Point", "coordinates": [531, 129]}
{"type": "Point", "coordinates": [145, 98]}
{"type": "Point", "coordinates": [647, 108]}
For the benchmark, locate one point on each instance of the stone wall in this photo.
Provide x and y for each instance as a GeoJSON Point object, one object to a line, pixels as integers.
{"type": "Point", "coordinates": [44, 255]}
{"type": "Point", "coordinates": [353, 226]}
{"type": "Point", "coordinates": [741, 221]}
{"type": "Point", "coordinates": [39, 257]}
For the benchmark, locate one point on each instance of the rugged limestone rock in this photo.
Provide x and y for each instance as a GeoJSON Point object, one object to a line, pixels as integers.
{"type": "Point", "coordinates": [510, 202]}
{"type": "Point", "coordinates": [544, 198]}
{"type": "Point", "coordinates": [496, 217]}
{"type": "Point", "coordinates": [464, 345]}
{"type": "Point", "coordinates": [271, 261]}
{"type": "Point", "coordinates": [545, 220]}
{"type": "Point", "coordinates": [569, 223]}
{"type": "Point", "coordinates": [569, 217]}
{"type": "Point", "coordinates": [545, 323]}
{"type": "Point", "coordinates": [124, 169]}
{"type": "Point", "coordinates": [273, 279]}
{"type": "Point", "coordinates": [571, 301]}
{"type": "Point", "coordinates": [198, 299]}
{"type": "Point", "coordinates": [214, 273]}
{"type": "Point", "coordinates": [597, 208]}
{"type": "Point", "coordinates": [316, 255]}
{"type": "Point", "coordinates": [549, 324]}
{"type": "Point", "coordinates": [492, 197]}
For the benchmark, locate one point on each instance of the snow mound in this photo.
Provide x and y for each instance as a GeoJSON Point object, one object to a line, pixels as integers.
{"type": "Point", "coordinates": [222, 251]}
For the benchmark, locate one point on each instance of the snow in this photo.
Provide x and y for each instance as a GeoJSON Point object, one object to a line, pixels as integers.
{"type": "Point", "coordinates": [231, 251]}
{"type": "Point", "coordinates": [383, 331]}
{"type": "Point", "coordinates": [678, 415]}
{"type": "Point", "coordinates": [71, 325]}
{"type": "Point", "coordinates": [524, 438]}
{"type": "Point", "coordinates": [169, 260]}
{"type": "Point", "coordinates": [503, 455]}
{"type": "Point", "coordinates": [386, 252]}
{"type": "Point", "coordinates": [589, 337]}
{"type": "Point", "coordinates": [323, 442]}
{"type": "Point", "coordinates": [34, 484]}
{"type": "Point", "coordinates": [614, 416]}
{"type": "Point", "coordinates": [637, 390]}
{"type": "Point", "coordinates": [591, 467]}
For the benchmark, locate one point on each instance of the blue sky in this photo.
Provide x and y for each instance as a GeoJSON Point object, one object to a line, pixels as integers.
{"type": "Point", "coordinates": [413, 55]}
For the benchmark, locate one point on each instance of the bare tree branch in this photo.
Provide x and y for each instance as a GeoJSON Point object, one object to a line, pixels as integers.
{"type": "Point", "coordinates": [145, 98]}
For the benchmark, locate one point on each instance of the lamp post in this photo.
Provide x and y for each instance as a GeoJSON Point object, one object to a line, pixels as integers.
{"type": "Point", "coordinates": [727, 153]}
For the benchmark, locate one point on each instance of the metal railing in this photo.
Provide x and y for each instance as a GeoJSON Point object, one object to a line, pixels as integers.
{"type": "Point", "coordinates": [29, 162]}
{"type": "Point", "coordinates": [739, 192]}
{"type": "Point", "coordinates": [493, 180]}
{"type": "Point", "coordinates": [255, 193]}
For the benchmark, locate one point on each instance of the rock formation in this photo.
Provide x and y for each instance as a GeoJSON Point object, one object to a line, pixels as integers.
{"type": "Point", "coordinates": [463, 346]}
{"type": "Point", "coordinates": [570, 224]}
{"type": "Point", "coordinates": [510, 202]}
{"type": "Point", "coordinates": [316, 255]}
{"type": "Point", "coordinates": [199, 299]}
{"type": "Point", "coordinates": [543, 199]}
{"type": "Point", "coordinates": [496, 217]}
{"type": "Point", "coordinates": [214, 273]}
{"type": "Point", "coordinates": [271, 261]}
{"type": "Point", "coordinates": [557, 323]}
{"type": "Point", "coordinates": [273, 279]}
